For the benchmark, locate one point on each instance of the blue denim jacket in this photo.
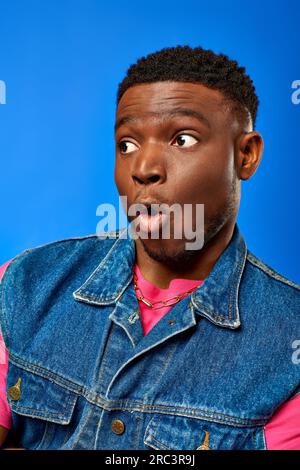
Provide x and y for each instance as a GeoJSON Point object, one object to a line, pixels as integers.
{"type": "Point", "coordinates": [83, 376]}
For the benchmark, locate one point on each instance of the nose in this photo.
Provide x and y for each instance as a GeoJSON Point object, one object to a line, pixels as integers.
{"type": "Point", "coordinates": [149, 167]}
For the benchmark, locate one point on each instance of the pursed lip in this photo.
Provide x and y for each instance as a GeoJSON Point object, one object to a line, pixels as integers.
{"type": "Point", "coordinates": [152, 204]}
{"type": "Point", "coordinates": [152, 217]}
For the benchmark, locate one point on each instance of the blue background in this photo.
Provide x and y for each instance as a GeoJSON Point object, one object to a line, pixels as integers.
{"type": "Point", "coordinates": [62, 61]}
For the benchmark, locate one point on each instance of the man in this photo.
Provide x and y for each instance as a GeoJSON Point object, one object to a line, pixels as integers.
{"type": "Point", "coordinates": [140, 343]}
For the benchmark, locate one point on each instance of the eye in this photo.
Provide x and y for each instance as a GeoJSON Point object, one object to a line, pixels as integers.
{"type": "Point", "coordinates": [127, 147]}
{"type": "Point", "coordinates": [185, 140]}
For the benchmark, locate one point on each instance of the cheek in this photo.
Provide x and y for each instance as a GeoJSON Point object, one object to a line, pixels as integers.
{"type": "Point", "coordinates": [218, 177]}
{"type": "Point", "coordinates": [204, 178]}
{"type": "Point", "coordinates": [120, 177]}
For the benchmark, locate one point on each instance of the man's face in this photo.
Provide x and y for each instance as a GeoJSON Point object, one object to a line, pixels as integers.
{"type": "Point", "coordinates": [175, 143]}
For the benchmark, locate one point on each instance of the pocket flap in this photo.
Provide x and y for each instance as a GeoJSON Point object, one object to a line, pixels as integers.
{"type": "Point", "coordinates": [35, 396]}
{"type": "Point", "coordinates": [171, 432]}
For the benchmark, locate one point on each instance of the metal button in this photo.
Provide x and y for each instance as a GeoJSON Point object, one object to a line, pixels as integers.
{"type": "Point", "coordinates": [205, 443]}
{"type": "Point", "coordinates": [171, 322]}
{"type": "Point", "coordinates": [133, 317]}
{"type": "Point", "coordinates": [15, 391]}
{"type": "Point", "coordinates": [118, 426]}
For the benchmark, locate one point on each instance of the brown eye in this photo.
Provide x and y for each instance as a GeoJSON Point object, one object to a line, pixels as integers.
{"type": "Point", "coordinates": [185, 140]}
{"type": "Point", "coordinates": [127, 147]}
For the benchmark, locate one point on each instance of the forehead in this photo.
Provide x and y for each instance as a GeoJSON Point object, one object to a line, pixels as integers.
{"type": "Point", "coordinates": [155, 99]}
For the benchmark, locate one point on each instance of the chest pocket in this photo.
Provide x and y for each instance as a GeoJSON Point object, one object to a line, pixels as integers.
{"type": "Point", "coordinates": [168, 432]}
{"type": "Point", "coordinates": [40, 399]}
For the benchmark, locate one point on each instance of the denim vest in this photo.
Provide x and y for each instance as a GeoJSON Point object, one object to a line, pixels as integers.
{"type": "Point", "coordinates": [82, 375]}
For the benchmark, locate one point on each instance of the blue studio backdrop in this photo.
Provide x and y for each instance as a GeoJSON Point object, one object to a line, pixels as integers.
{"type": "Point", "coordinates": [60, 64]}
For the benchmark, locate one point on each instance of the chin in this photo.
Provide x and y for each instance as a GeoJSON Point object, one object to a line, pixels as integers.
{"type": "Point", "coordinates": [169, 252]}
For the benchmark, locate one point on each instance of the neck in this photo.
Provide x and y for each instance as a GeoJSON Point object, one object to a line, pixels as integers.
{"type": "Point", "coordinates": [161, 274]}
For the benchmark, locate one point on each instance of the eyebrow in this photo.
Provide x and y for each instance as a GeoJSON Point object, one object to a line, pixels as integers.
{"type": "Point", "coordinates": [173, 113]}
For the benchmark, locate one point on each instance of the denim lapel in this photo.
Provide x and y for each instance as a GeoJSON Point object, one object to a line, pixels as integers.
{"type": "Point", "coordinates": [216, 299]}
{"type": "Point", "coordinates": [107, 283]}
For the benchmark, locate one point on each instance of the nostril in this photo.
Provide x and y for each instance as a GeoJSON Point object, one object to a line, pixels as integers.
{"type": "Point", "coordinates": [137, 180]}
{"type": "Point", "coordinates": [146, 180]}
{"type": "Point", "coordinates": [154, 178]}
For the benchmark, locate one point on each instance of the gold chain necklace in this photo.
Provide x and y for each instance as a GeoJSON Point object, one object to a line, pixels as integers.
{"type": "Point", "coordinates": [159, 303]}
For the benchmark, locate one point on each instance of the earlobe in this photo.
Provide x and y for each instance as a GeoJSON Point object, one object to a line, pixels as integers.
{"type": "Point", "coordinates": [250, 153]}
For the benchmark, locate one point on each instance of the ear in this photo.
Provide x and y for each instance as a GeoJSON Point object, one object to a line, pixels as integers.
{"type": "Point", "coordinates": [249, 151]}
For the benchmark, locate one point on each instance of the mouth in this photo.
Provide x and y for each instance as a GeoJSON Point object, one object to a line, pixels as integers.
{"type": "Point", "coordinates": [151, 223]}
{"type": "Point", "coordinates": [152, 217]}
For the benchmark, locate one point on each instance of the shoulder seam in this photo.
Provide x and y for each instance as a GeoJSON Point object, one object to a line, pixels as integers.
{"type": "Point", "coordinates": [102, 235]}
{"type": "Point", "coordinates": [271, 272]}
{"type": "Point", "coordinates": [114, 234]}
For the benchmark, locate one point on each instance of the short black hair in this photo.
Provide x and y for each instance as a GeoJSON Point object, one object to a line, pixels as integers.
{"type": "Point", "coordinates": [196, 65]}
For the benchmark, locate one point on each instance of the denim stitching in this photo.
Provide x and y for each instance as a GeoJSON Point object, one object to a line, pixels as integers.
{"type": "Point", "coordinates": [201, 415]}
{"type": "Point", "coordinates": [101, 265]}
{"type": "Point", "coordinates": [3, 310]}
{"type": "Point", "coordinates": [72, 386]}
{"type": "Point", "coordinates": [271, 272]}
{"type": "Point", "coordinates": [264, 439]}
{"type": "Point", "coordinates": [17, 408]}
{"type": "Point", "coordinates": [236, 285]}
{"type": "Point", "coordinates": [84, 237]}
{"type": "Point", "coordinates": [103, 360]}
{"type": "Point", "coordinates": [47, 416]}
{"type": "Point", "coordinates": [213, 316]}
{"type": "Point", "coordinates": [162, 446]}
{"type": "Point", "coordinates": [254, 440]}
{"type": "Point", "coordinates": [82, 428]}
{"type": "Point", "coordinates": [152, 427]}
{"type": "Point", "coordinates": [145, 350]}
{"type": "Point", "coordinates": [115, 405]}
{"type": "Point", "coordinates": [87, 295]}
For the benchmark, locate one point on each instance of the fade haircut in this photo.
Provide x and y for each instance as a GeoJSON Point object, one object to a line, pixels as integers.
{"type": "Point", "coordinates": [197, 65]}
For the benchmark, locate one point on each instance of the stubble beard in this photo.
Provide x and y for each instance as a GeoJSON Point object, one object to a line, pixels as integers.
{"type": "Point", "coordinates": [181, 257]}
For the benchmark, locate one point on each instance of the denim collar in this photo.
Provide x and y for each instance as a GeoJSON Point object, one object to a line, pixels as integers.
{"type": "Point", "coordinates": [216, 299]}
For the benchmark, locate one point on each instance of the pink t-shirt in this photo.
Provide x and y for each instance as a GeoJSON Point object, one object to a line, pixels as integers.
{"type": "Point", "coordinates": [150, 317]}
{"type": "Point", "coordinates": [282, 432]}
{"type": "Point", "coordinates": [5, 414]}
